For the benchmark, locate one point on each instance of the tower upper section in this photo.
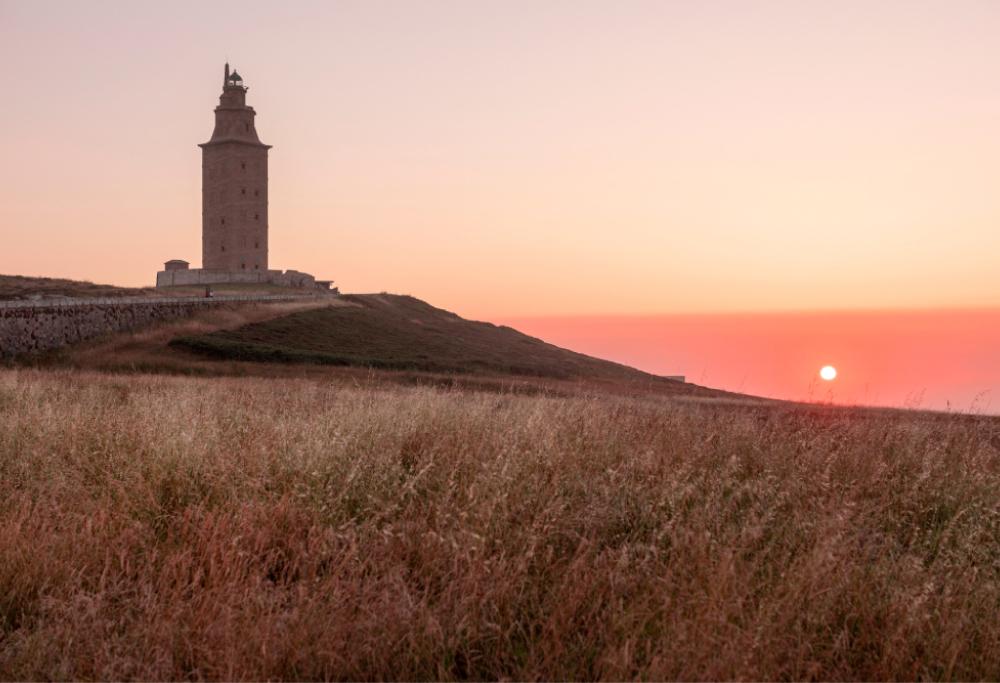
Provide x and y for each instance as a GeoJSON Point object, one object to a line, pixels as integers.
{"type": "Point", "coordinates": [234, 227]}
{"type": "Point", "coordinates": [234, 120]}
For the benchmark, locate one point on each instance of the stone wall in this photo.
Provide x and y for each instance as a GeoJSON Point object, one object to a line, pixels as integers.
{"type": "Point", "coordinates": [203, 276]}
{"type": "Point", "coordinates": [32, 326]}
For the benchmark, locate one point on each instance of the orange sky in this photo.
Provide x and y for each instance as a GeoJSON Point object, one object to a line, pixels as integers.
{"type": "Point", "coordinates": [523, 158]}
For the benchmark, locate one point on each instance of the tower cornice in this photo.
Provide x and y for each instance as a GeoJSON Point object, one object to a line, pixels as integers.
{"type": "Point", "coordinates": [233, 141]}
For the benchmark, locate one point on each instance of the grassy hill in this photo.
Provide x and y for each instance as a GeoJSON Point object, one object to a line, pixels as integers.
{"type": "Point", "coordinates": [23, 287]}
{"type": "Point", "coordinates": [395, 332]}
{"type": "Point", "coordinates": [301, 521]}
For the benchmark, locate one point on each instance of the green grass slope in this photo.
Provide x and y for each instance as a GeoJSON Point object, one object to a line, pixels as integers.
{"type": "Point", "coordinates": [403, 333]}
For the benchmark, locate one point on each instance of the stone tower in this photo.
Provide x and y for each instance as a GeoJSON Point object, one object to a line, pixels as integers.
{"type": "Point", "coordinates": [234, 186]}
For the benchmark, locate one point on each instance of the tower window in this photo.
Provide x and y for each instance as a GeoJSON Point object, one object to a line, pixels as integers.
{"type": "Point", "coordinates": [223, 247]}
{"type": "Point", "coordinates": [247, 126]}
{"type": "Point", "coordinates": [243, 165]}
{"type": "Point", "coordinates": [256, 267]}
{"type": "Point", "coordinates": [243, 266]}
{"type": "Point", "coordinates": [243, 190]}
{"type": "Point", "coordinates": [256, 216]}
{"type": "Point", "coordinates": [255, 193]}
{"type": "Point", "coordinates": [223, 220]}
{"type": "Point", "coordinates": [256, 245]}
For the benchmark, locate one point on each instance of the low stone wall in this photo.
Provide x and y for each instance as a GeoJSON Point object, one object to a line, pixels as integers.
{"type": "Point", "coordinates": [201, 276]}
{"type": "Point", "coordinates": [32, 326]}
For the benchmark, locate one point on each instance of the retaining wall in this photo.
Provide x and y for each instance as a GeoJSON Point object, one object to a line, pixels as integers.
{"type": "Point", "coordinates": [202, 276]}
{"type": "Point", "coordinates": [31, 326]}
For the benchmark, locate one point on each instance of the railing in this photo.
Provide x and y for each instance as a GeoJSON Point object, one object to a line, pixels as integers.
{"type": "Point", "coordinates": [135, 300]}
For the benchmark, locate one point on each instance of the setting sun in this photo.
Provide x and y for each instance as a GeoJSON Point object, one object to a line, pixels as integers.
{"type": "Point", "coordinates": [828, 372]}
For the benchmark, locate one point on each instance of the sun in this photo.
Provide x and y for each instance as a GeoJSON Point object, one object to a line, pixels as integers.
{"type": "Point", "coordinates": [828, 372]}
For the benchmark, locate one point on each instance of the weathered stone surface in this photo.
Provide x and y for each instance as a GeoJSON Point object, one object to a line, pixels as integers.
{"type": "Point", "coordinates": [234, 187]}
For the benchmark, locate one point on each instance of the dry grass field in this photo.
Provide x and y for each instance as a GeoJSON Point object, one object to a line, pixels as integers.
{"type": "Point", "coordinates": [158, 527]}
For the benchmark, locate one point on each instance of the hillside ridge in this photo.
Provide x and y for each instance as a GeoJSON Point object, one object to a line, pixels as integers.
{"type": "Point", "coordinates": [14, 287]}
{"type": "Point", "coordinates": [401, 332]}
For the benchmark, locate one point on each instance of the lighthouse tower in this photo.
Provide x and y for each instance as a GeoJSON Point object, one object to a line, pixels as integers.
{"type": "Point", "coordinates": [234, 206]}
{"type": "Point", "coordinates": [234, 186]}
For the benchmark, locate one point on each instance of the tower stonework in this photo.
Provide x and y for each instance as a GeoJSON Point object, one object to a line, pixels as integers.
{"type": "Point", "coordinates": [234, 186]}
{"type": "Point", "coordinates": [234, 224]}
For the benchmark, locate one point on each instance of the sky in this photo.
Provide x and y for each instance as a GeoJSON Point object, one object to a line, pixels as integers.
{"type": "Point", "coordinates": [528, 160]}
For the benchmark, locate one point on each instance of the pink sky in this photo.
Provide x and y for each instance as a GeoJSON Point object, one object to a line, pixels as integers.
{"type": "Point", "coordinates": [563, 158]}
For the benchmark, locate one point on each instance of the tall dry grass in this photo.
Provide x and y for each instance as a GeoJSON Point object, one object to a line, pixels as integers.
{"type": "Point", "coordinates": [155, 527]}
